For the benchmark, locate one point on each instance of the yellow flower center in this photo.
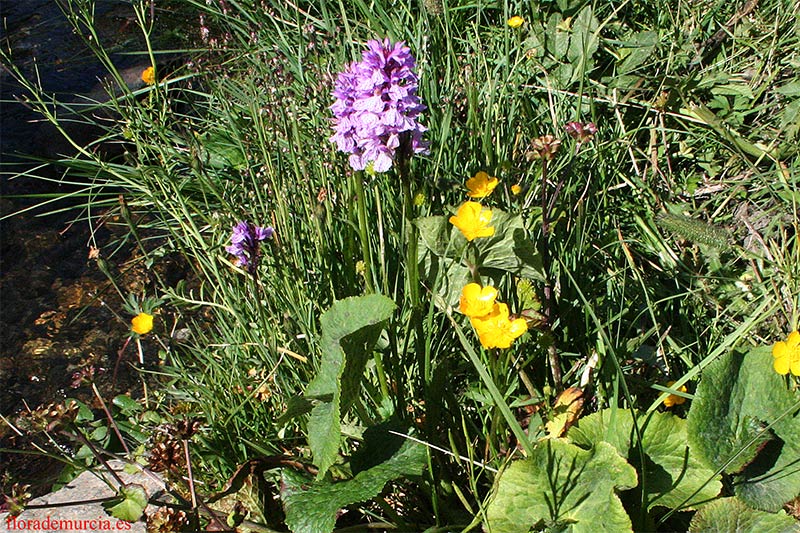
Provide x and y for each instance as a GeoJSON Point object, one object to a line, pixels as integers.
{"type": "Point", "coordinates": [477, 301]}
{"type": "Point", "coordinates": [495, 330]}
{"type": "Point", "coordinates": [473, 221]}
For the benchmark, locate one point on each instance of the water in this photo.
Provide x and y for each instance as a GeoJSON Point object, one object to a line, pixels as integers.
{"type": "Point", "coordinates": [53, 321]}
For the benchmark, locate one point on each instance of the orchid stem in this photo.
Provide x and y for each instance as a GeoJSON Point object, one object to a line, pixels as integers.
{"type": "Point", "coordinates": [362, 230]}
{"type": "Point", "coordinates": [367, 259]}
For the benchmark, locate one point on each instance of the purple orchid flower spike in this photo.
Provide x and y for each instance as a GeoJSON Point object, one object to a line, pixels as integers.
{"type": "Point", "coordinates": [245, 244]}
{"type": "Point", "coordinates": [377, 107]}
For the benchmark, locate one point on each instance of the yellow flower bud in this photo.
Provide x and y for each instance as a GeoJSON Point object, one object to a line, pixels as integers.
{"type": "Point", "coordinates": [149, 75]}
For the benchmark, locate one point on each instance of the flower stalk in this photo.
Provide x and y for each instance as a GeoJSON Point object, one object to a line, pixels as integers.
{"type": "Point", "coordinates": [363, 230]}
{"type": "Point", "coordinates": [545, 148]}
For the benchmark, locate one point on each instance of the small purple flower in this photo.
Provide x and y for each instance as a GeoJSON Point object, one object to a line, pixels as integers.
{"type": "Point", "coordinates": [377, 107]}
{"type": "Point", "coordinates": [581, 132]}
{"type": "Point", "coordinates": [244, 243]}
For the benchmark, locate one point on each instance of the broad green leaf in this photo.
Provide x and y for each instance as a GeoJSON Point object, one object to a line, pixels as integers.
{"type": "Point", "coordinates": [790, 89]}
{"type": "Point", "coordinates": [324, 433]}
{"type": "Point", "coordinates": [614, 426]}
{"type": "Point", "coordinates": [773, 478]}
{"type": "Point", "coordinates": [350, 329]}
{"type": "Point", "coordinates": [719, 429]}
{"type": "Point", "coordinates": [563, 487]}
{"type": "Point", "coordinates": [583, 43]}
{"type": "Point", "coordinates": [99, 433]}
{"type": "Point", "coordinates": [130, 504]}
{"type": "Point", "coordinates": [311, 507]}
{"type": "Point", "coordinates": [731, 515]}
{"type": "Point", "coordinates": [126, 404]}
{"type": "Point", "coordinates": [439, 236]}
{"type": "Point", "coordinates": [639, 48]}
{"type": "Point", "coordinates": [220, 151]}
{"type": "Point", "coordinates": [84, 415]}
{"type": "Point", "coordinates": [790, 123]}
{"type": "Point", "coordinates": [738, 397]}
{"type": "Point", "coordinates": [672, 473]}
{"type": "Point", "coordinates": [557, 36]}
{"type": "Point", "coordinates": [296, 406]}
{"type": "Point", "coordinates": [510, 249]}
{"type": "Point", "coordinates": [448, 276]}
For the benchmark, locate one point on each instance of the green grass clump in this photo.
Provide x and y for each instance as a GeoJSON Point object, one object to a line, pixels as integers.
{"type": "Point", "coordinates": [654, 248]}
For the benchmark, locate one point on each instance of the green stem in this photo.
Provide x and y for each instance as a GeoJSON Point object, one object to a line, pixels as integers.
{"type": "Point", "coordinates": [367, 258]}
{"type": "Point", "coordinates": [412, 277]}
{"type": "Point", "coordinates": [421, 348]}
{"type": "Point", "coordinates": [362, 230]}
{"type": "Point", "coordinates": [411, 249]}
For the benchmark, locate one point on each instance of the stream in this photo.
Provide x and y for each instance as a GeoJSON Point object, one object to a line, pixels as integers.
{"type": "Point", "coordinates": [59, 316]}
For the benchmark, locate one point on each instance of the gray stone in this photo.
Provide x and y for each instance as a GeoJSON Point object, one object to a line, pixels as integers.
{"type": "Point", "coordinates": [82, 517]}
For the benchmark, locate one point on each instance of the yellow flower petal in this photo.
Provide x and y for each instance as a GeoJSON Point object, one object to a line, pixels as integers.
{"type": "Point", "coordinates": [477, 301]}
{"type": "Point", "coordinates": [786, 355]}
{"type": "Point", "coordinates": [495, 330]}
{"type": "Point", "coordinates": [793, 340]}
{"type": "Point", "coordinates": [780, 350]}
{"type": "Point", "coordinates": [795, 366]}
{"type": "Point", "coordinates": [142, 323]}
{"type": "Point", "coordinates": [481, 185]}
{"type": "Point", "coordinates": [516, 22]}
{"type": "Point", "coordinates": [473, 221]}
{"type": "Point", "coordinates": [516, 189]}
{"type": "Point", "coordinates": [517, 327]}
{"type": "Point", "coordinates": [781, 365]}
{"type": "Point", "coordinates": [674, 399]}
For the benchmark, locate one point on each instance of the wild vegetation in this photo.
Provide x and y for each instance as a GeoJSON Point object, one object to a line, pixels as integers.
{"type": "Point", "coordinates": [454, 265]}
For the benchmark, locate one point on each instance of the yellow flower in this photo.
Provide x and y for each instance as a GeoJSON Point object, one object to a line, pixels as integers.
{"type": "Point", "coordinates": [516, 22]}
{"type": "Point", "coordinates": [142, 323]}
{"type": "Point", "coordinates": [674, 399]}
{"type": "Point", "coordinates": [495, 330]}
{"type": "Point", "coordinates": [481, 185]}
{"type": "Point", "coordinates": [516, 189]}
{"type": "Point", "coordinates": [477, 301]}
{"type": "Point", "coordinates": [473, 220]}
{"type": "Point", "coordinates": [149, 75]}
{"type": "Point", "coordinates": [786, 355]}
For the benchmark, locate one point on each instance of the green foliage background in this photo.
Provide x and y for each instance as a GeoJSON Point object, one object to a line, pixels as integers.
{"type": "Point", "coordinates": [674, 243]}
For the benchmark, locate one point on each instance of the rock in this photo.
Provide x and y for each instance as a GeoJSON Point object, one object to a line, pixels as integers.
{"type": "Point", "coordinates": [82, 517]}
